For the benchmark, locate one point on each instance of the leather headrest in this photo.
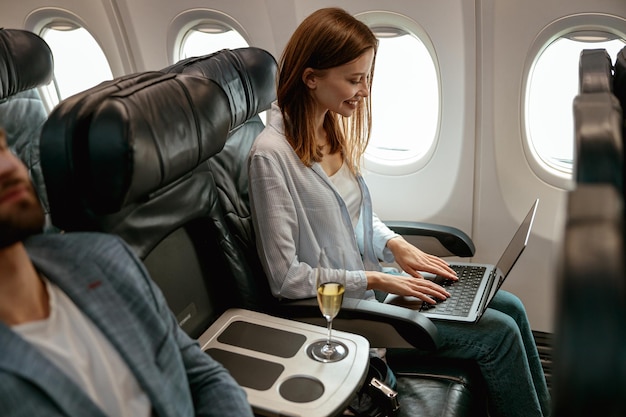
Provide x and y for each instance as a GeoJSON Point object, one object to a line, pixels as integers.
{"type": "Point", "coordinates": [146, 137]}
{"type": "Point", "coordinates": [598, 156]}
{"type": "Point", "coordinates": [63, 149]}
{"type": "Point", "coordinates": [247, 75]}
{"type": "Point", "coordinates": [595, 71]}
{"type": "Point", "coordinates": [619, 78]}
{"type": "Point", "coordinates": [25, 61]}
{"type": "Point", "coordinates": [130, 142]}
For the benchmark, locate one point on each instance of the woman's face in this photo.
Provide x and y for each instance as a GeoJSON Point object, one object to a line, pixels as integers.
{"type": "Point", "coordinates": [341, 88]}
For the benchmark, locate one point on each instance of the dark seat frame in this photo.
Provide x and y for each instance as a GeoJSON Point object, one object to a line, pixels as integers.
{"type": "Point", "coordinates": [590, 344]}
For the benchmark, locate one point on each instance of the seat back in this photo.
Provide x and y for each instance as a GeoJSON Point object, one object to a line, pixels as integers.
{"type": "Point", "coordinates": [595, 71]}
{"type": "Point", "coordinates": [589, 369]}
{"type": "Point", "coordinates": [619, 85]}
{"type": "Point", "coordinates": [619, 77]}
{"type": "Point", "coordinates": [25, 64]}
{"type": "Point", "coordinates": [64, 145]}
{"type": "Point", "coordinates": [248, 76]}
{"type": "Point", "coordinates": [590, 339]}
{"type": "Point", "coordinates": [130, 156]}
{"type": "Point", "coordinates": [25, 61]}
{"type": "Point", "coordinates": [598, 139]}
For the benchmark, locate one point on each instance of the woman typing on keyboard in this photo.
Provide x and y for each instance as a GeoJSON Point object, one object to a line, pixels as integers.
{"type": "Point", "coordinates": [306, 193]}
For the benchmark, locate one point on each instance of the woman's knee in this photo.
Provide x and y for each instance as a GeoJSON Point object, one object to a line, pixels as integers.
{"type": "Point", "coordinates": [502, 328]}
{"type": "Point", "coordinates": [508, 303]}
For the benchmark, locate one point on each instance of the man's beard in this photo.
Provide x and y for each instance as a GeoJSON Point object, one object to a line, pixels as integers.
{"type": "Point", "coordinates": [19, 224]}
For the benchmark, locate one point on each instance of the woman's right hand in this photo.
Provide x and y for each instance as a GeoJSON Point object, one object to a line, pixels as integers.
{"type": "Point", "coordinates": [406, 285]}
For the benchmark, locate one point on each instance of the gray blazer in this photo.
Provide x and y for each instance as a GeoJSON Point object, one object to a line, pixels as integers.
{"type": "Point", "coordinates": [109, 284]}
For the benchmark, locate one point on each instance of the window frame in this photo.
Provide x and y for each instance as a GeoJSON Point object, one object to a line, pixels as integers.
{"type": "Point", "coordinates": [409, 165]}
{"type": "Point", "coordinates": [40, 20]}
{"type": "Point", "coordinates": [561, 28]}
{"type": "Point", "coordinates": [187, 20]}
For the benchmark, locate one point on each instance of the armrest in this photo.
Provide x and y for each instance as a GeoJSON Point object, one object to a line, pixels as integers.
{"type": "Point", "coordinates": [383, 325]}
{"type": "Point", "coordinates": [434, 238]}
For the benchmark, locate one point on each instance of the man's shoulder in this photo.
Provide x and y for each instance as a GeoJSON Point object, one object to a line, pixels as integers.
{"type": "Point", "coordinates": [63, 240]}
{"type": "Point", "coordinates": [72, 247]}
{"type": "Point", "coordinates": [93, 256]}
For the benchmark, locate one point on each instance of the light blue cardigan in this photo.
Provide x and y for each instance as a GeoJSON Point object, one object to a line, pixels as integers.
{"type": "Point", "coordinates": [296, 210]}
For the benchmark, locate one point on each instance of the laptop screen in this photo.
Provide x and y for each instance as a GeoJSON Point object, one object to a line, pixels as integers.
{"type": "Point", "coordinates": [516, 245]}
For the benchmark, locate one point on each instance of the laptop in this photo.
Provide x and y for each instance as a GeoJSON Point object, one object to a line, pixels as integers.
{"type": "Point", "coordinates": [477, 284]}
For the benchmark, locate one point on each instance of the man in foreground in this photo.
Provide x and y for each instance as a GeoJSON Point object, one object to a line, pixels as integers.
{"type": "Point", "coordinates": [83, 329]}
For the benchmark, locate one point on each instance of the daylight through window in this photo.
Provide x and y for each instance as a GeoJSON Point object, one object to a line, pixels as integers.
{"type": "Point", "coordinates": [553, 85]}
{"type": "Point", "coordinates": [79, 62]}
{"type": "Point", "coordinates": [405, 99]}
{"type": "Point", "coordinates": [207, 38]}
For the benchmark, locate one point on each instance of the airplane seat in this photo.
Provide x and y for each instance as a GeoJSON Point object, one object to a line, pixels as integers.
{"type": "Point", "coordinates": [619, 77]}
{"type": "Point", "coordinates": [619, 84]}
{"type": "Point", "coordinates": [65, 153]}
{"type": "Point", "coordinates": [25, 63]}
{"type": "Point", "coordinates": [427, 387]}
{"type": "Point", "coordinates": [248, 76]}
{"type": "Point", "coordinates": [598, 120]}
{"type": "Point", "coordinates": [589, 370]}
{"type": "Point", "coordinates": [595, 71]}
{"type": "Point", "coordinates": [128, 157]}
{"type": "Point", "coordinates": [597, 114]}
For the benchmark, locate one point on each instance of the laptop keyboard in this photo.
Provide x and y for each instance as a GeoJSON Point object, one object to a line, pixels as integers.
{"type": "Point", "coordinates": [461, 292]}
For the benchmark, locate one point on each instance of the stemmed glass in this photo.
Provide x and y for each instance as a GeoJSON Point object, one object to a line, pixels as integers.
{"type": "Point", "coordinates": [331, 284]}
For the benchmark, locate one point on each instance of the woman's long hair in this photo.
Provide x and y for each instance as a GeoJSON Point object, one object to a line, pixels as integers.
{"type": "Point", "coordinates": [328, 38]}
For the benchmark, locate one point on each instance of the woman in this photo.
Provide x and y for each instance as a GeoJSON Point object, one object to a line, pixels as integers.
{"type": "Point", "coordinates": [306, 193]}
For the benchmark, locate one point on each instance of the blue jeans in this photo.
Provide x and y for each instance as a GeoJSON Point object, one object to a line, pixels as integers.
{"type": "Point", "coordinates": [503, 346]}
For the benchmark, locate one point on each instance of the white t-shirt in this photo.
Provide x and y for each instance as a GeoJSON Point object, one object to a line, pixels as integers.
{"type": "Point", "coordinates": [76, 346]}
{"type": "Point", "coordinates": [349, 190]}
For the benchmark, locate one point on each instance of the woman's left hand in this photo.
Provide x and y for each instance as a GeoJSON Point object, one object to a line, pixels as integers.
{"type": "Point", "coordinates": [413, 261]}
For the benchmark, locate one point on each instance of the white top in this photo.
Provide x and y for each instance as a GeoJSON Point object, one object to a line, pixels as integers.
{"type": "Point", "coordinates": [76, 346]}
{"type": "Point", "coordinates": [348, 188]}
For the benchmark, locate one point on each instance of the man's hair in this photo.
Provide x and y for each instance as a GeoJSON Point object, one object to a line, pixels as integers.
{"type": "Point", "coordinates": [326, 39]}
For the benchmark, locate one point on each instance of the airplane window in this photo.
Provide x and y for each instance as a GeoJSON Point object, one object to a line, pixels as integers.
{"type": "Point", "coordinates": [405, 98]}
{"type": "Point", "coordinates": [79, 62]}
{"type": "Point", "coordinates": [552, 87]}
{"type": "Point", "coordinates": [206, 38]}
{"type": "Point", "coordinates": [406, 95]}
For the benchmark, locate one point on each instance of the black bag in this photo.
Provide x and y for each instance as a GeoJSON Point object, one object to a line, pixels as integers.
{"type": "Point", "coordinates": [377, 397]}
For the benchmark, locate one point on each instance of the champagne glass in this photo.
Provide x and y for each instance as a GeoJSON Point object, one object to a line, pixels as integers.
{"type": "Point", "coordinates": [331, 284]}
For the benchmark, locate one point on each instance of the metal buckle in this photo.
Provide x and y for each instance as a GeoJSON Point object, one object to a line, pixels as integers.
{"type": "Point", "coordinates": [385, 395]}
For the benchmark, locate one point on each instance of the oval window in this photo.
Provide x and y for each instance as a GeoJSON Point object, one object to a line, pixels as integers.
{"type": "Point", "coordinates": [552, 86]}
{"type": "Point", "coordinates": [405, 113]}
{"type": "Point", "coordinates": [79, 62]}
{"type": "Point", "coordinates": [406, 103]}
{"type": "Point", "coordinates": [208, 37]}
